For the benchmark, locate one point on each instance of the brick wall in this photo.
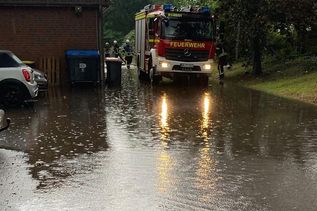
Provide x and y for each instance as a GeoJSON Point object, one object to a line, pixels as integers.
{"type": "Point", "coordinates": [35, 32]}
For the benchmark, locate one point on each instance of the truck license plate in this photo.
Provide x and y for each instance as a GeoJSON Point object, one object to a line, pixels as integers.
{"type": "Point", "coordinates": [187, 67]}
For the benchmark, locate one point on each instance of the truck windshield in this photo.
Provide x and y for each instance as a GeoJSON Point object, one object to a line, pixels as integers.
{"type": "Point", "coordinates": [187, 29]}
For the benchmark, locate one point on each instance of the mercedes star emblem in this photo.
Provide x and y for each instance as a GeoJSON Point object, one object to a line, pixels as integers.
{"type": "Point", "coordinates": [187, 52]}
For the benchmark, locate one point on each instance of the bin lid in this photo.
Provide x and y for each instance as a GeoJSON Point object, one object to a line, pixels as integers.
{"type": "Point", "coordinates": [94, 53]}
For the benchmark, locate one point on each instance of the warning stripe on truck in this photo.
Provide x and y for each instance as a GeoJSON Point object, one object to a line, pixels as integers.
{"type": "Point", "coordinates": [140, 16]}
{"type": "Point", "coordinates": [153, 40]}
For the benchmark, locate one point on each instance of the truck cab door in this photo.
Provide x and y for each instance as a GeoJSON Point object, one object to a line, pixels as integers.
{"type": "Point", "coordinates": [151, 28]}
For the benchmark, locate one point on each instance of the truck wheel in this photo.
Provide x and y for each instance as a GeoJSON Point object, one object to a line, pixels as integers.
{"type": "Point", "coordinates": [154, 79]}
{"type": "Point", "coordinates": [157, 79]}
{"type": "Point", "coordinates": [138, 67]}
{"type": "Point", "coordinates": [138, 63]}
{"type": "Point", "coordinates": [11, 95]}
{"type": "Point", "coordinates": [142, 75]}
{"type": "Point", "coordinates": [140, 72]}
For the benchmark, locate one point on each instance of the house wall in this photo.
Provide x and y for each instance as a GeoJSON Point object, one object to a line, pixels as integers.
{"type": "Point", "coordinates": [34, 33]}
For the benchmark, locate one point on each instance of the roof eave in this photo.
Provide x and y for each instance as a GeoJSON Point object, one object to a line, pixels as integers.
{"type": "Point", "coordinates": [54, 3]}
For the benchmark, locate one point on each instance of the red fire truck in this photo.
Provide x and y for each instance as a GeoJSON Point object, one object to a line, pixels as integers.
{"type": "Point", "coordinates": [171, 42]}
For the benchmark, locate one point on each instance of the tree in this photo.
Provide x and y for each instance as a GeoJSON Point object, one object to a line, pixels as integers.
{"type": "Point", "coordinates": [249, 24]}
{"type": "Point", "coordinates": [119, 19]}
{"type": "Point", "coordinates": [251, 18]}
{"type": "Point", "coordinates": [297, 16]}
{"type": "Point", "coordinates": [256, 18]}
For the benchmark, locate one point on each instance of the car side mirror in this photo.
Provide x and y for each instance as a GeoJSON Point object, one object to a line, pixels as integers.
{"type": "Point", "coordinates": [4, 123]}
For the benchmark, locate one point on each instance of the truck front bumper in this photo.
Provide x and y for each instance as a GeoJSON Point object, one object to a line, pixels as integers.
{"type": "Point", "coordinates": [170, 66]}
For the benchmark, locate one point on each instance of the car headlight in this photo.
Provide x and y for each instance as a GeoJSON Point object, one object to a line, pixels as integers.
{"type": "Point", "coordinates": [164, 65]}
{"type": "Point", "coordinates": [207, 67]}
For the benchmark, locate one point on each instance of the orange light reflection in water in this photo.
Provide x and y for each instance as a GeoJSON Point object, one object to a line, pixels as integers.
{"type": "Point", "coordinates": [206, 162]}
{"type": "Point", "coordinates": [165, 162]}
{"type": "Point", "coordinates": [165, 167]}
{"type": "Point", "coordinates": [206, 112]}
{"type": "Point", "coordinates": [165, 130]}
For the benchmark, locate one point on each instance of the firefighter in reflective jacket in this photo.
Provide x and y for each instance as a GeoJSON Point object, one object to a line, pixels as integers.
{"type": "Point", "coordinates": [222, 59]}
{"type": "Point", "coordinates": [115, 49]}
{"type": "Point", "coordinates": [128, 52]}
{"type": "Point", "coordinates": [107, 50]}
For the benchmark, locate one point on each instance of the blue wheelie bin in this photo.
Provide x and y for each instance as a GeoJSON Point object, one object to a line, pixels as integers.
{"type": "Point", "coordinates": [83, 65]}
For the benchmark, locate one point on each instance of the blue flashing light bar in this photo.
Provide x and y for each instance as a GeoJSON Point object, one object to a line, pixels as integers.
{"type": "Point", "coordinates": [167, 7]}
{"type": "Point", "coordinates": [205, 10]}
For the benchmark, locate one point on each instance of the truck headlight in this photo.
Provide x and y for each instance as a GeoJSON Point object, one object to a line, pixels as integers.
{"type": "Point", "coordinates": [164, 64]}
{"type": "Point", "coordinates": [207, 67]}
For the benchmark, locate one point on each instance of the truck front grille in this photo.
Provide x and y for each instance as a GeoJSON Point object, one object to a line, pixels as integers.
{"type": "Point", "coordinates": [186, 55]}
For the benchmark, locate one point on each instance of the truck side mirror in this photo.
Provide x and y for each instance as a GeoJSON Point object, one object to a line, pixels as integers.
{"type": "Point", "coordinates": [4, 123]}
{"type": "Point", "coordinates": [154, 30]}
{"type": "Point", "coordinates": [166, 20]}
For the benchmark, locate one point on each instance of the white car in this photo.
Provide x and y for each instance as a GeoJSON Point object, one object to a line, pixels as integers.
{"type": "Point", "coordinates": [17, 82]}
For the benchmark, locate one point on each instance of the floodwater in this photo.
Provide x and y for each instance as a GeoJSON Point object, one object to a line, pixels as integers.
{"type": "Point", "coordinates": [171, 147]}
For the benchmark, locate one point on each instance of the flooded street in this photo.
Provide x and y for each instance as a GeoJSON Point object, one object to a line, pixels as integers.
{"type": "Point", "coordinates": [169, 147]}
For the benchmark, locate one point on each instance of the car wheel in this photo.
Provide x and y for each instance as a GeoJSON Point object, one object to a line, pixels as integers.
{"type": "Point", "coordinates": [12, 95]}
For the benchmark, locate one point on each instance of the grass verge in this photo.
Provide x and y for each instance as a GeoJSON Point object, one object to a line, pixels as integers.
{"type": "Point", "coordinates": [295, 79]}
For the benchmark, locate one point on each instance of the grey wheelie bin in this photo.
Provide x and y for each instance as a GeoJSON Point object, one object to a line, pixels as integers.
{"type": "Point", "coordinates": [114, 71]}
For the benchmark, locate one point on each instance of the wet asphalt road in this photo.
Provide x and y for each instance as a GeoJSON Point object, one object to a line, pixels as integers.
{"type": "Point", "coordinates": [170, 147]}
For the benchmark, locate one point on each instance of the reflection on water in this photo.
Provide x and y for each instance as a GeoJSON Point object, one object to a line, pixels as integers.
{"type": "Point", "coordinates": [205, 172]}
{"type": "Point", "coordinates": [164, 112]}
{"type": "Point", "coordinates": [60, 134]}
{"type": "Point", "coordinates": [205, 127]}
{"type": "Point", "coordinates": [162, 148]}
{"type": "Point", "coordinates": [165, 130]}
{"type": "Point", "coordinates": [205, 168]}
{"type": "Point", "coordinates": [164, 168]}
{"type": "Point", "coordinates": [164, 160]}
